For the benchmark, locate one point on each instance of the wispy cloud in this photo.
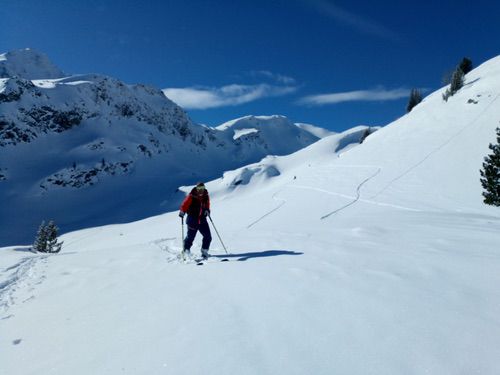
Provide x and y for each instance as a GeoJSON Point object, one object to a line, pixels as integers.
{"type": "Point", "coordinates": [353, 20]}
{"type": "Point", "coordinates": [276, 77]}
{"type": "Point", "coordinates": [378, 94]}
{"type": "Point", "coordinates": [230, 95]}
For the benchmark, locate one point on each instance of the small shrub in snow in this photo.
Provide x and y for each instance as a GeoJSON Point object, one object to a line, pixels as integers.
{"type": "Point", "coordinates": [365, 135]}
{"type": "Point", "coordinates": [415, 98]}
{"type": "Point", "coordinates": [46, 239]}
{"type": "Point", "coordinates": [490, 174]}
{"type": "Point", "coordinates": [457, 82]}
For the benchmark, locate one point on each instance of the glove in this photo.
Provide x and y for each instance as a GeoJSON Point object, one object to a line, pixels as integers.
{"type": "Point", "coordinates": [207, 212]}
{"type": "Point", "coordinates": [181, 214]}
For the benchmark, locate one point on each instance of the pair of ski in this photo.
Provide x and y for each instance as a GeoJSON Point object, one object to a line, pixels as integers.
{"type": "Point", "coordinates": [188, 259]}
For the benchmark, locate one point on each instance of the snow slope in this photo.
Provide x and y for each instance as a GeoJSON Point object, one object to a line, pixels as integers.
{"type": "Point", "coordinates": [376, 259]}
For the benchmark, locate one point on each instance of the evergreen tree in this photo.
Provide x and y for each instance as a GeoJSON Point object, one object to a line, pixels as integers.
{"type": "Point", "coordinates": [466, 65]}
{"type": "Point", "coordinates": [40, 244]}
{"type": "Point", "coordinates": [490, 174]}
{"type": "Point", "coordinates": [46, 239]}
{"type": "Point", "coordinates": [415, 98]}
{"type": "Point", "coordinates": [457, 82]}
{"type": "Point", "coordinates": [52, 245]}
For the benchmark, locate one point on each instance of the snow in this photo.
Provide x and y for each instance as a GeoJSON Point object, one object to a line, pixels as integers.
{"type": "Point", "coordinates": [256, 120]}
{"type": "Point", "coordinates": [315, 130]}
{"type": "Point", "coordinates": [278, 131]}
{"type": "Point", "coordinates": [240, 132]}
{"type": "Point", "coordinates": [29, 64]}
{"type": "Point", "coordinates": [3, 81]}
{"type": "Point", "coordinates": [379, 259]}
{"type": "Point", "coordinates": [52, 83]}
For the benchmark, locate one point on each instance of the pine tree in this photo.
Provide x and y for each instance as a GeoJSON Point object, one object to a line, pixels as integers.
{"type": "Point", "coordinates": [490, 174]}
{"type": "Point", "coordinates": [466, 65]}
{"type": "Point", "coordinates": [52, 245]}
{"type": "Point", "coordinates": [40, 244]}
{"type": "Point", "coordinates": [46, 239]}
{"type": "Point", "coordinates": [457, 82]}
{"type": "Point", "coordinates": [415, 98]}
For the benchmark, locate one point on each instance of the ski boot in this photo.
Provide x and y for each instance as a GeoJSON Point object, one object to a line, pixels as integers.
{"type": "Point", "coordinates": [186, 254]}
{"type": "Point", "coordinates": [204, 254]}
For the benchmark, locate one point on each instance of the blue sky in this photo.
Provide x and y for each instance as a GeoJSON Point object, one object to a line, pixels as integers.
{"type": "Point", "coordinates": [315, 61]}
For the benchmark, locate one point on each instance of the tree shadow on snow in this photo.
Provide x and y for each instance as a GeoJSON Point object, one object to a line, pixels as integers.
{"type": "Point", "coordinates": [261, 254]}
{"type": "Point", "coordinates": [29, 249]}
{"type": "Point", "coordinates": [24, 249]}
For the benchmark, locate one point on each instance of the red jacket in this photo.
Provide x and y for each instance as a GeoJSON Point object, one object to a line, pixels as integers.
{"type": "Point", "coordinates": [195, 204]}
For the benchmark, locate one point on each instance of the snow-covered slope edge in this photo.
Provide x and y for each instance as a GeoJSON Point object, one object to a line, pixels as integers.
{"type": "Point", "coordinates": [431, 157]}
{"type": "Point", "coordinates": [428, 159]}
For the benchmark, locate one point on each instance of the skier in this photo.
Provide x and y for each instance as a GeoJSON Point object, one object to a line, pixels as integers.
{"type": "Point", "coordinates": [197, 206]}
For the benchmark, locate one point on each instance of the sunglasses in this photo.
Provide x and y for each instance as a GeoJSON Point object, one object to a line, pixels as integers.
{"type": "Point", "coordinates": [200, 187]}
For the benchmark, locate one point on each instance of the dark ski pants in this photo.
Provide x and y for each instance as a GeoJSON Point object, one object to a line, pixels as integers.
{"type": "Point", "coordinates": [193, 228]}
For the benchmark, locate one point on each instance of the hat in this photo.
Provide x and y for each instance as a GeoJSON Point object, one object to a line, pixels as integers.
{"type": "Point", "coordinates": [200, 186]}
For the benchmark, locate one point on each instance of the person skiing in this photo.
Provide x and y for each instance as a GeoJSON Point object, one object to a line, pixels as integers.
{"type": "Point", "coordinates": [197, 206]}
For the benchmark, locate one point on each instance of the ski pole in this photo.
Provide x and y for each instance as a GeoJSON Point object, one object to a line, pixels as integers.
{"type": "Point", "coordinates": [182, 238]}
{"type": "Point", "coordinates": [218, 235]}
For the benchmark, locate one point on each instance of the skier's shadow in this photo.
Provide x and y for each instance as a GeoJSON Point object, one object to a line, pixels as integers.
{"type": "Point", "coordinates": [258, 254]}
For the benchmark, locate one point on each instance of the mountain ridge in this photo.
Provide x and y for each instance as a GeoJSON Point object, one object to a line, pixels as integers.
{"type": "Point", "coordinates": [82, 138]}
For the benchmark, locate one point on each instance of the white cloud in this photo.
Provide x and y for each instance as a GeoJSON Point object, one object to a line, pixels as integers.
{"type": "Point", "coordinates": [230, 95]}
{"type": "Point", "coordinates": [379, 94]}
{"type": "Point", "coordinates": [280, 78]}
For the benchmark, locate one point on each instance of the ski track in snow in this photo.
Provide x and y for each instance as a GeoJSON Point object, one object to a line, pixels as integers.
{"type": "Point", "coordinates": [439, 148]}
{"type": "Point", "coordinates": [24, 276]}
{"type": "Point", "coordinates": [270, 212]}
{"type": "Point", "coordinates": [174, 252]}
{"type": "Point", "coordinates": [163, 243]}
{"type": "Point", "coordinates": [356, 199]}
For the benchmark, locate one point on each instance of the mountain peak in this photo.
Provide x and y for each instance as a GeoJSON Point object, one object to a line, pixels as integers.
{"type": "Point", "coordinates": [254, 120]}
{"type": "Point", "coordinates": [28, 64]}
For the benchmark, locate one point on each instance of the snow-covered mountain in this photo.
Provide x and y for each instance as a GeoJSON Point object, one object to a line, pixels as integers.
{"type": "Point", "coordinates": [29, 64]}
{"type": "Point", "coordinates": [375, 259]}
{"type": "Point", "coordinates": [266, 133]}
{"type": "Point", "coordinates": [88, 149]}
